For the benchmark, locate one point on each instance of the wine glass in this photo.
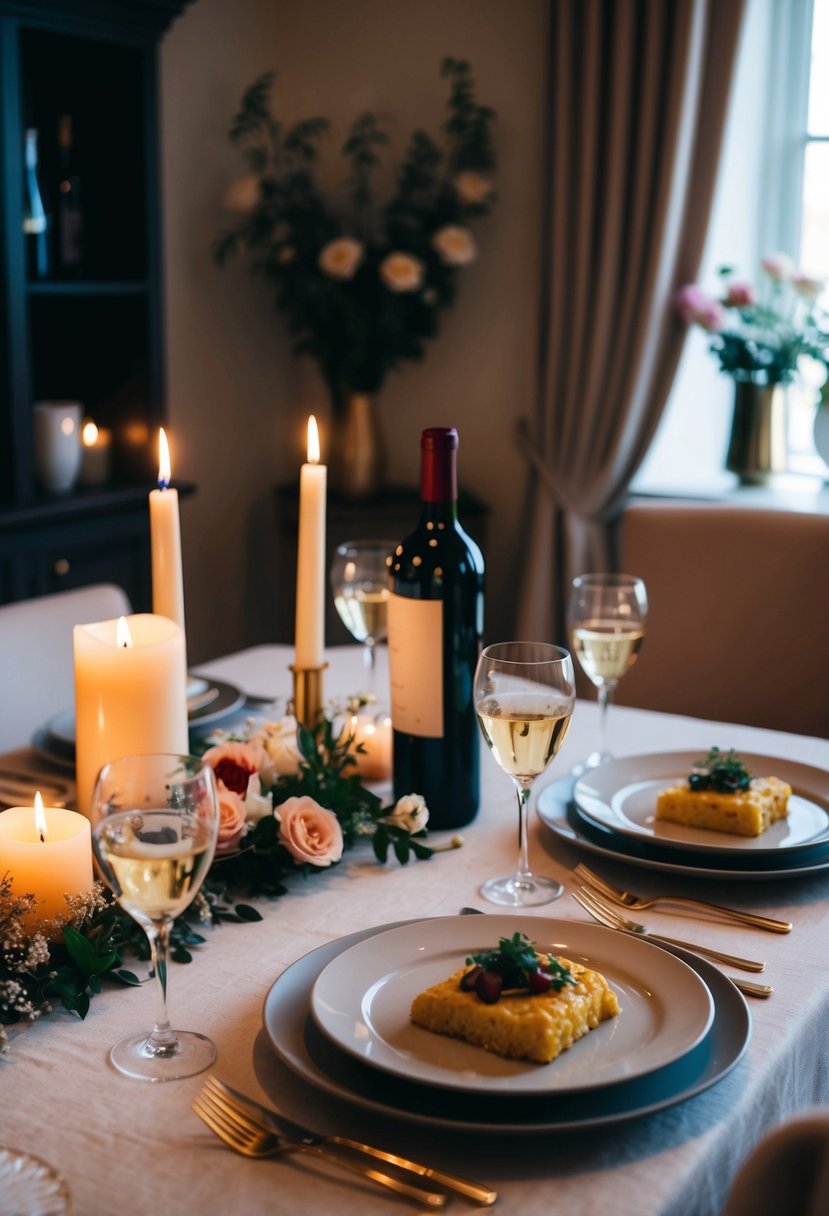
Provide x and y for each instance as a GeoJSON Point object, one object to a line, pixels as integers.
{"type": "Point", "coordinates": [360, 583]}
{"type": "Point", "coordinates": [607, 616]}
{"type": "Point", "coordinates": [524, 698]}
{"type": "Point", "coordinates": [155, 824]}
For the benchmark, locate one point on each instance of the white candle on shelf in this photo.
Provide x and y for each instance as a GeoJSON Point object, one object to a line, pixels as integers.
{"type": "Point", "coordinates": [165, 538]}
{"type": "Point", "coordinates": [130, 694]}
{"type": "Point", "coordinates": [48, 853]}
{"type": "Point", "coordinates": [310, 580]}
{"type": "Point", "coordinates": [96, 454]}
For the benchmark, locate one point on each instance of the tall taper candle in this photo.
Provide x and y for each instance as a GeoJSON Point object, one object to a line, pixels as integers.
{"type": "Point", "coordinates": [310, 580]}
{"type": "Point", "coordinates": [130, 694]}
{"type": "Point", "coordinates": [165, 536]}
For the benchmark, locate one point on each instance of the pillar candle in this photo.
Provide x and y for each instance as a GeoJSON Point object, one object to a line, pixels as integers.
{"type": "Point", "coordinates": [310, 581]}
{"type": "Point", "coordinates": [165, 538]}
{"type": "Point", "coordinates": [374, 732]}
{"type": "Point", "coordinates": [130, 699]}
{"type": "Point", "coordinates": [47, 857]}
{"type": "Point", "coordinates": [96, 456]}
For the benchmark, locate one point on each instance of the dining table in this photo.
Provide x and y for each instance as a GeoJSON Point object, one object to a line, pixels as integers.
{"type": "Point", "coordinates": [130, 1147]}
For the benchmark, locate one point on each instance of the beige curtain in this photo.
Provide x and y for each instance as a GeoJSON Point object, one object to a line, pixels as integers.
{"type": "Point", "coordinates": [638, 95]}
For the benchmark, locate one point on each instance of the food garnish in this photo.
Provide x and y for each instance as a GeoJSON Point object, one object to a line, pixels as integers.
{"type": "Point", "coordinates": [515, 966]}
{"type": "Point", "coordinates": [723, 772]}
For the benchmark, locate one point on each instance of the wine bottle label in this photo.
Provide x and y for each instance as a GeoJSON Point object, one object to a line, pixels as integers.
{"type": "Point", "coordinates": [416, 665]}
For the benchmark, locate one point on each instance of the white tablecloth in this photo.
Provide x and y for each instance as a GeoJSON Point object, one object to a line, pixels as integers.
{"type": "Point", "coordinates": [130, 1148]}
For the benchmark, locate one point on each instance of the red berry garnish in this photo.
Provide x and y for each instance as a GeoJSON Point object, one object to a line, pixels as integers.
{"type": "Point", "coordinates": [469, 978]}
{"type": "Point", "coordinates": [539, 981]}
{"type": "Point", "coordinates": [488, 986]}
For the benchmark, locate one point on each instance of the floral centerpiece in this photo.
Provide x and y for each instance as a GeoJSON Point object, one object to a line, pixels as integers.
{"type": "Point", "coordinates": [291, 804]}
{"type": "Point", "coordinates": [763, 336]}
{"type": "Point", "coordinates": [361, 284]}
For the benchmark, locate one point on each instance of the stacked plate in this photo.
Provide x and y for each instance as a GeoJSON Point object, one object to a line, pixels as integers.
{"type": "Point", "coordinates": [339, 1018]}
{"type": "Point", "coordinates": [55, 741]}
{"type": "Point", "coordinates": [611, 810]}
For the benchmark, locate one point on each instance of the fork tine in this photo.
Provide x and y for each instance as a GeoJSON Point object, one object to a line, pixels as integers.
{"type": "Point", "coordinates": [230, 1107]}
{"type": "Point", "coordinates": [220, 1126]}
{"type": "Point", "coordinates": [593, 880]}
{"type": "Point", "coordinates": [242, 1133]}
{"type": "Point", "coordinates": [587, 904]}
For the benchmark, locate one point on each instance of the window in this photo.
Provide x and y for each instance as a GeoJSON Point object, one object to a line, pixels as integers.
{"type": "Point", "coordinates": [771, 195]}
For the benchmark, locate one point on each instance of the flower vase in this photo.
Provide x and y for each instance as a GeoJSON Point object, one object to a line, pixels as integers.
{"type": "Point", "coordinates": [357, 457]}
{"type": "Point", "coordinates": [757, 445]}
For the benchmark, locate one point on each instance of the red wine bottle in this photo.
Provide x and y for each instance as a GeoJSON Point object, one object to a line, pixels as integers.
{"type": "Point", "coordinates": [435, 622]}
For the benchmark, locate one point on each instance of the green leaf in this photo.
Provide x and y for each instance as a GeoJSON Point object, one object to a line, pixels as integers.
{"type": "Point", "coordinates": [246, 913]}
{"type": "Point", "coordinates": [180, 955]}
{"type": "Point", "coordinates": [401, 849]}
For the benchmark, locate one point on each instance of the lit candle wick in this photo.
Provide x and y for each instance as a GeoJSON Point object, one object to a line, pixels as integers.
{"type": "Point", "coordinates": [40, 819]}
{"type": "Point", "coordinates": [123, 637]}
{"type": "Point", "coordinates": [165, 472]}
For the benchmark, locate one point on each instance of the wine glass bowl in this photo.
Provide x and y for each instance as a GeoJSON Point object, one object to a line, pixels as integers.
{"type": "Point", "coordinates": [608, 618]}
{"type": "Point", "coordinates": [360, 585]}
{"type": "Point", "coordinates": [155, 823]}
{"type": "Point", "coordinates": [524, 698]}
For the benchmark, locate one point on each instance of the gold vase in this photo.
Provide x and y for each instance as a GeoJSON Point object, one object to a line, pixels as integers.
{"type": "Point", "coordinates": [757, 445]}
{"type": "Point", "coordinates": [357, 457]}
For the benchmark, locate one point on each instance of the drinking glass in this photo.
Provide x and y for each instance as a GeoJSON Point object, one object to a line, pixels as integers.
{"type": "Point", "coordinates": [608, 614]}
{"type": "Point", "coordinates": [155, 823]}
{"type": "Point", "coordinates": [524, 698]}
{"type": "Point", "coordinates": [360, 583]}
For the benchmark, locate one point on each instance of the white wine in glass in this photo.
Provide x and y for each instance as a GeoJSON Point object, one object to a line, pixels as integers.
{"type": "Point", "coordinates": [524, 698]}
{"type": "Point", "coordinates": [156, 819]}
{"type": "Point", "coordinates": [608, 616]}
{"type": "Point", "coordinates": [360, 585]}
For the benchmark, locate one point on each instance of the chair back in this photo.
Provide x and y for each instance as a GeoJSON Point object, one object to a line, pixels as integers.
{"type": "Point", "coordinates": [738, 628]}
{"type": "Point", "coordinates": [36, 655]}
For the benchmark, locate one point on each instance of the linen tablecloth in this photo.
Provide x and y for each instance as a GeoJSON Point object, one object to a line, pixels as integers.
{"type": "Point", "coordinates": [129, 1147]}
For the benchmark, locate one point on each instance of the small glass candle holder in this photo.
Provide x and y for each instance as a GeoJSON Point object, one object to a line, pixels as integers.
{"type": "Point", "coordinates": [57, 436]}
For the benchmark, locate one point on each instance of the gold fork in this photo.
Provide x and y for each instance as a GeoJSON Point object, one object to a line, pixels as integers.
{"type": "Point", "coordinates": [608, 918]}
{"type": "Point", "coordinates": [269, 1120]}
{"type": "Point", "coordinates": [249, 1139]}
{"type": "Point", "coordinates": [628, 900]}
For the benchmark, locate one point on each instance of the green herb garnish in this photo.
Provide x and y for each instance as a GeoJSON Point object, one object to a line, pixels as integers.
{"type": "Point", "coordinates": [516, 960]}
{"type": "Point", "coordinates": [723, 772]}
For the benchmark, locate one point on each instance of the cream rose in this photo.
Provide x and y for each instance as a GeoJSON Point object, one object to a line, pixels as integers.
{"type": "Point", "coordinates": [410, 812]}
{"type": "Point", "coordinates": [340, 259]}
{"type": "Point", "coordinates": [257, 804]}
{"type": "Point", "coordinates": [279, 740]}
{"type": "Point", "coordinates": [243, 195]}
{"type": "Point", "coordinates": [402, 272]}
{"type": "Point", "coordinates": [455, 245]}
{"type": "Point", "coordinates": [778, 266]}
{"type": "Point", "coordinates": [309, 832]}
{"type": "Point", "coordinates": [234, 763]}
{"type": "Point", "coordinates": [232, 820]}
{"type": "Point", "coordinates": [472, 187]}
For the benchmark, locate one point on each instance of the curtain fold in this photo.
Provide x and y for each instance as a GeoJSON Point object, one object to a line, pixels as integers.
{"type": "Point", "coordinates": [637, 105]}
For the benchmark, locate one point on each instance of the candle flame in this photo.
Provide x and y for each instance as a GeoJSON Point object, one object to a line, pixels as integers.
{"type": "Point", "coordinates": [313, 441]}
{"type": "Point", "coordinates": [164, 470]}
{"type": "Point", "coordinates": [123, 637]}
{"type": "Point", "coordinates": [40, 819]}
{"type": "Point", "coordinates": [89, 434]}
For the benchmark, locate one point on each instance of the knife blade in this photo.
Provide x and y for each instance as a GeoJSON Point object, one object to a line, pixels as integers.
{"type": "Point", "coordinates": [284, 1126]}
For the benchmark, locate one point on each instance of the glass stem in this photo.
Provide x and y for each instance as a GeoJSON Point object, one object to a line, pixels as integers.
{"type": "Point", "coordinates": [368, 657]}
{"type": "Point", "coordinates": [162, 1041]}
{"type": "Point", "coordinates": [523, 874]}
{"type": "Point", "coordinates": [605, 697]}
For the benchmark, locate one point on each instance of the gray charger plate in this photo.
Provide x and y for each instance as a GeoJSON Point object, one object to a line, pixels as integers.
{"type": "Point", "coordinates": [308, 1053]}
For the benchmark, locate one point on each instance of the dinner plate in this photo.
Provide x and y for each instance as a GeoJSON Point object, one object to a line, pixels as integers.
{"type": "Point", "coordinates": [621, 795]}
{"type": "Point", "coordinates": [363, 997]}
{"type": "Point", "coordinates": [558, 812]}
{"type": "Point", "coordinates": [30, 1185]}
{"type": "Point", "coordinates": [323, 1067]}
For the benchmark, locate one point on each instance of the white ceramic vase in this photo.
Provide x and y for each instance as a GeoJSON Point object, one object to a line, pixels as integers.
{"type": "Point", "coordinates": [57, 435]}
{"type": "Point", "coordinates": [821, 433]}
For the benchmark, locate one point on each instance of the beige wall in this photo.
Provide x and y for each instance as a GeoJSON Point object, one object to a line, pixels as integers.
{"type": "Point", "coordinates": [238, 400]}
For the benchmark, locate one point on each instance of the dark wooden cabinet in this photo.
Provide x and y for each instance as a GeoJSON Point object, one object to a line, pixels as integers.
{"type": "Point", "coordinates": [94, 336]}
{"type": "Point", "coordinates": [392, 514]}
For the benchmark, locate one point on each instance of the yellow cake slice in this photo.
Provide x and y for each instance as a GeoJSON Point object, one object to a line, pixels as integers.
{"type": "Point", "coordinates": [745, 813]}
{"type": "Point", "coordinates": [519, 1025]}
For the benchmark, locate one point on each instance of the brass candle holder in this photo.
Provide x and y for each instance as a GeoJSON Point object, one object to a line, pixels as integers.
{"type": "Point", "coordinates": [308, 695]}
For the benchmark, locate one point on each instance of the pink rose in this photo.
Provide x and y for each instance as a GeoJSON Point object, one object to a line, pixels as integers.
{"type": "Point", "coordinates": [739, 295]}
{"type": "Point", "coordinates": [695, 305]}
{"type": "Point", "coordinates": [778, 266]}
{"type": "Point", "coordinates": [232, 819]}
{"type": "Point", "coordinates": [234, 764]}
{"type": "Point", "coordinates": [309, 832]}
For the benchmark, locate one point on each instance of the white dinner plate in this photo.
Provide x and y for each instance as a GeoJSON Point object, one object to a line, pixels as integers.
{"type": "Point", "coordinates": [558, 812]}
{"type": "Point", "coordinates": [30, 1185]}
{"type": "Point", "coordinates": [621, 795]}
{"type": "Point", "coordinates": [318, 1066]}
{"type": "Point", "coordinates": [363, 997]}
